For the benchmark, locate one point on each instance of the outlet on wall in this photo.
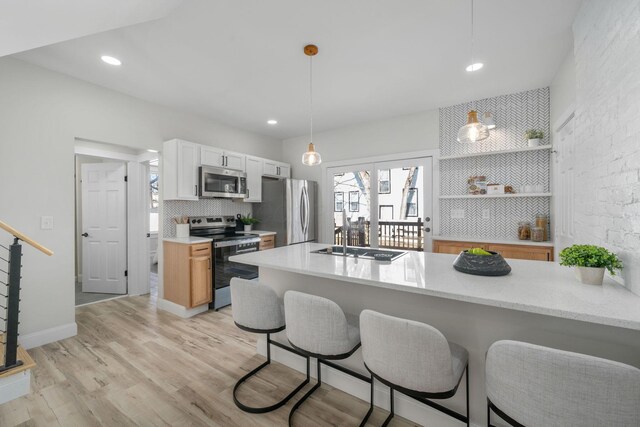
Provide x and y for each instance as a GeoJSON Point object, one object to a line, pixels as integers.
{"type": "Point", "coordinates": [486, 214]}
{"type": "Point", "coordinates": [457, 213]}
{"type": "Point", "coordinates": [46, 223]}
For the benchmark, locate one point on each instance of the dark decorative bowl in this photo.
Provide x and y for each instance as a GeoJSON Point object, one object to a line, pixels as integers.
{"type": "Point", "coordinates": [482, 265]}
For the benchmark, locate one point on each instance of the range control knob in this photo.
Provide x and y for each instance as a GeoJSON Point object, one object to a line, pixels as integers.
{"type": "Point", "coordinates": [193, 221]}
{"type": "Point", "coordinates": [199, 221]}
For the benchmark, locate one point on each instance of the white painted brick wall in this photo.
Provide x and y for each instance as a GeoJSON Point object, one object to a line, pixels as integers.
{"type": "Point", "coordinates": [607, 55]}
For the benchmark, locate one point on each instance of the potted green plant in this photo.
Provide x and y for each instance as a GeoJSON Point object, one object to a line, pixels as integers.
{"type": "Point", "coordinates": [534, 137]}
{"type": "Point", "coordinates": [248, 222]}
{"type": "Point", "coordinates": [590, 262]}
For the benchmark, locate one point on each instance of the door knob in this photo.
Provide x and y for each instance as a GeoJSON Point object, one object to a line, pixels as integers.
{"type": "Point", "coordinates": [427, 219]}
{"type": "Point", "coordinates": [85, 234]}
{"type": "Point", "coordinates": [427, 229]}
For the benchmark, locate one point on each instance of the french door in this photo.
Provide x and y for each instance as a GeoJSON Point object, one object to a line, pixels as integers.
{"type": "Point", "coordinates": [382, 205]}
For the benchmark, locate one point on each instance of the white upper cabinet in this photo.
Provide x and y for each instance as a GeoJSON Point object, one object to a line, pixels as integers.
{"type": "Point", "coordinates": [211, 156]}
{"type": "Point", "coordinates": [254, 179]}
{"type": "Point", "coordinates": [180, 161]}
{"type": "Point", "coordinates": [276, 169]}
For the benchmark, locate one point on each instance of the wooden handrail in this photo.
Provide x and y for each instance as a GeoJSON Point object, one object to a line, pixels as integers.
{"type": "Point", "coordinates": [25, 239]}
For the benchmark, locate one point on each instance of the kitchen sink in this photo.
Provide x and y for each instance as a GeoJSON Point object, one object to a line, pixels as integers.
{"type": "Point", "coordinates": [367, 253]}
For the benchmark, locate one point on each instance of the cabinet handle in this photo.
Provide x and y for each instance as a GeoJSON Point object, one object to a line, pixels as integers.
{"type": "Point", "coordinates": [196, 189]}
{"type": "Point", "coordinates": [209, 263]}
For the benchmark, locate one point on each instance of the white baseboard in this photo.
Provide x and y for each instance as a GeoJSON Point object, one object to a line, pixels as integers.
{"type": "Point", "coordinates": [15, 386]}
{"type": "Point", "coordinates": [36, 339]}
{"type": "Point", "coordinates": [179, 310]}
{"type": "Point", "coordinates": [404, 406]}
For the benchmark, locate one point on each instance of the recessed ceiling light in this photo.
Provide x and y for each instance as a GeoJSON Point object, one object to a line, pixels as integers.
{"type": "Point", "coordinates": [152, 151]}
{"type": "Point", "coordinates": [111, 60]}
{"type": "Point", "coordinates": [474, 67]}
{"type": "Point", "coordinates": [272, 122]}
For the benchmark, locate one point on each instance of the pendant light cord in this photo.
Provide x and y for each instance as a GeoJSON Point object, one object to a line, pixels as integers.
{"type": "Point", "coordinates": [473, 59]}
{"type": "Point", "coordinates": [311, 94]}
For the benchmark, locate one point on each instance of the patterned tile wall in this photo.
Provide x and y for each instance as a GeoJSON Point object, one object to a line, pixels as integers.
{"type": "Point", "coordinates": [203, 207]}
{"type": "Point", "coordinates": [513, 114]}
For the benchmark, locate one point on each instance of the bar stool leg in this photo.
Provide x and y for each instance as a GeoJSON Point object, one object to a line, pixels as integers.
{"type": "Point", "coordinates": [307, 394]}
{"type": "Point", "coordinates": [366, 417]}
{"type": "Point", "coordinates": [391, 415]}
{"type": "Point", "coordinates": [488, 414]}
{"type": "Point", "coordinates": [262, 410]}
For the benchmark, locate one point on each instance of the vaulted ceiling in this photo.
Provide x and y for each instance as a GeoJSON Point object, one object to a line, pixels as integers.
{"type": "Point", "coordinates": [241, 62]}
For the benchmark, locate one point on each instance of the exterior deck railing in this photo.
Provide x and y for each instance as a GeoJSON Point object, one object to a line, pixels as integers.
{"type": "Point", "coordinates": [391, 234]}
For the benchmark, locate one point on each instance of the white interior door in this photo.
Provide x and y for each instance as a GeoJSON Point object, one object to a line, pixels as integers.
{"type": "Point", "coordinates": [564, 194]}
{"type": "Point", "coordinates": [104, 244]}
{"type": "Point", "coordinates": [138, 201]}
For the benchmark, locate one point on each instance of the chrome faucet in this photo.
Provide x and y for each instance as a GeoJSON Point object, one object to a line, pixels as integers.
{"type": "Point", "coordinates": [345, 232]}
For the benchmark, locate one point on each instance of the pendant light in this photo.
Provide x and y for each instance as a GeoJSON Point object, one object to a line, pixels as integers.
{"type": "Point", "coordinates": [474, 131]}
{"type": "Point", "coordinates": [311, 157]}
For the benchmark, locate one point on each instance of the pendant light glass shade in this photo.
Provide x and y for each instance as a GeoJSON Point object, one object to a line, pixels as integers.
{"type": "Point", "coordinates": [311, 157]}
{"type": "Point", "coordinates": [473, 131]}
{"type": "Point", "coordinates": [487, 119]}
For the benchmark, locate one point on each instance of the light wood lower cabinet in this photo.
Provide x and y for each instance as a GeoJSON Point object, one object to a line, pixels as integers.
{"type": "Point", "coordinates": [267, 242]}
{"type": "Point", "coordinates": [188, 274]}
{"type": "Point", "coordinates": [512, 251]}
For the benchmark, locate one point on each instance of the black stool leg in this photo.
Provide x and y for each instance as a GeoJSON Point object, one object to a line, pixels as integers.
{"type": "Point", "coordinates": [366, 417]}
{"type": "Point", "coordinates": [391, 415]}
{"type": "Point", "coordinates": [262, 410]}
{"type": "Point", "coordinates": [307, 394]}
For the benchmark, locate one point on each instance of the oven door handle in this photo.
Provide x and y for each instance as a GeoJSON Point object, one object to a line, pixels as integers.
{"type": "Point", "coordinates": [242, 251]}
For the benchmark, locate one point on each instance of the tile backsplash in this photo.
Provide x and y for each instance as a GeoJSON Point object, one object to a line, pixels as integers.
{"type": "Point", "coordinates": [202, 207]}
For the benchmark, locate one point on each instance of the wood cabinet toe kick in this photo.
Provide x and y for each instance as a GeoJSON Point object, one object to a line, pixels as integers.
{"type": "Point", "coordinates": [507, 250]}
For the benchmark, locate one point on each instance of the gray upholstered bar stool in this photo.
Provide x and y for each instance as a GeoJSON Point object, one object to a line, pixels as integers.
{"type": "Point", "coordinates": [256, 308]}
{"type": "Point", "coordinates": [535, 386]}
{"type": "Point", "coordinates": [413, 358]}
{"type": "Point", "coordinates": [318, 327]}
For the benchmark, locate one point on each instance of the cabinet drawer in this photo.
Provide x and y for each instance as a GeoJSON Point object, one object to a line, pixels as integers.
{"type": "Point", "coordinates": [533, 253]}
{"type": "Point", "coordinates": [201, 249]}
{"type": "Point", "coordinates": [267, 242]}
{"type": "Point", "coordinates": [454, 247]}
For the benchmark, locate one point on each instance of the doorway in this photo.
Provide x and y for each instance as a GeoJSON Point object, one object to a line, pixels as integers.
{"type": "Point", "coordinates": [116, 200]}
{"type": "Point", "coordinates": [384, 204]}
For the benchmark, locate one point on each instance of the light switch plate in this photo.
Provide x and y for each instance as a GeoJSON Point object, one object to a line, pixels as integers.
{"type": "Point", "coordinates": [457, 213]}
{"type": "Point", "coordinates": [46, 223]}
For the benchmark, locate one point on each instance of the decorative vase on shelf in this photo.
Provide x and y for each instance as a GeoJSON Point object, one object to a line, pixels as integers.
{"type": "Point", "coordinates": [590, 275]}
{"type": "Point", "coordinates": [535, 142]}
{"type": "Point", "coordinates": [248, 227]}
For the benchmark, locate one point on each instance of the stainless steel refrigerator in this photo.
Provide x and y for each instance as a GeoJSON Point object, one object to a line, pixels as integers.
{"type": "Point", "coordinates": [289, 208]}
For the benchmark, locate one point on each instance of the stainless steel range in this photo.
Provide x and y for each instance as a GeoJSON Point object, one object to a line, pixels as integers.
{"type": "Point", "coordinates": [226, 243]}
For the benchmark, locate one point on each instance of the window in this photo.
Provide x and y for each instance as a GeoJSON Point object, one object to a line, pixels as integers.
{"type": "Point", "coordinates": [385, 212]}
{"type": "Point", "coordinates": [412, 202]}
{"type": "Point", "coordinates": [338, 201]}
{"type": "Point", "coordinates": [384, 181]}
{"type": "Point", "coordinates": [354, 201]}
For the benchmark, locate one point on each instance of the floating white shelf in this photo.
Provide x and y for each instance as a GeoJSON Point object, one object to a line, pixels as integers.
{"type": "Point", "coordinates": [492, 153]}
{"type": "Point", "coordinates": [496, 196]}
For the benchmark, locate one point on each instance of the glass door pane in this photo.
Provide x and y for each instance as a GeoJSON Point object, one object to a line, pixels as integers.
{"type": "Point", "coordinates": [403, 204]}
{"type": "Point", "coordinates": [352, 202]}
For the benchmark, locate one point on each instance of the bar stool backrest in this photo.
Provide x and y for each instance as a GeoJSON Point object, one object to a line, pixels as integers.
{"type": "Point", "coordinates": [255, 306]}
{"type": "Point", "coordinates": [541, 386]}
{"type": "Point", "coordinates": [406, 353]}
{"type": "Point", "coordinates": [316, 325]}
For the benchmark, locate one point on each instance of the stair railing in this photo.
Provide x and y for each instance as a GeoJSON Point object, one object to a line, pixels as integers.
{"type": "Point", "coordinates": [13, 265]}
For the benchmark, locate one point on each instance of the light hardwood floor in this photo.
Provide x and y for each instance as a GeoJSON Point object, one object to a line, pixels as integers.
{"type": "Point", "coordinates": [132, 365]}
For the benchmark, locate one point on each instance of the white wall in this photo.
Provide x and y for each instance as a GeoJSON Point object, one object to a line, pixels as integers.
{"type": "Point", "coordinates": [403, 134]}
{"type": "Point", "coordinates": [563, 88]}
{"type": "Point", "coordinates": [41, 113]}
{"type": "Point", "coordinates": [607, 130]}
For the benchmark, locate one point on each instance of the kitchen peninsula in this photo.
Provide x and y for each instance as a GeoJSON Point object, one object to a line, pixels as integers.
{"type": "Point", "coordinates": [541, 303]}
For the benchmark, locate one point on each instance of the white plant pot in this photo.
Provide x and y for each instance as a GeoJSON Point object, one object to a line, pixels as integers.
{"type": "Point", "coordinates": [590, 275]}
{"type": "Point", "coordinates": [248, 227]}
{"type": "Point", "coordinates": [534, 142]}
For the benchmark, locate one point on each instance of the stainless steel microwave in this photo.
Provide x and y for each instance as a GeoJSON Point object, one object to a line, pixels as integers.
{"type": "Point", "coordinates": [219, 182]}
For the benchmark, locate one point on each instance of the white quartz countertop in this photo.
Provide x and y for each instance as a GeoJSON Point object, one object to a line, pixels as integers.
{"type": "Point", "coordinates": [187, 240]}
{"type": "Point", "coordinates": [260, 233]}
{"type": "Point", "coordinates": [489, 240]}
{"type": "Point", "coordinates": [532, 286]}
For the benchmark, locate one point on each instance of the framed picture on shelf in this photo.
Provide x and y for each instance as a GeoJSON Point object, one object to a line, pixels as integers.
{"type": "Point", "coordinates": [412, 202]}
{"type": "Point", "coordinates": [338, 201]}
{"type": "Point", "coordinates": [384, 181]}
{"type": "Point", "coordinates": [354, 201]}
